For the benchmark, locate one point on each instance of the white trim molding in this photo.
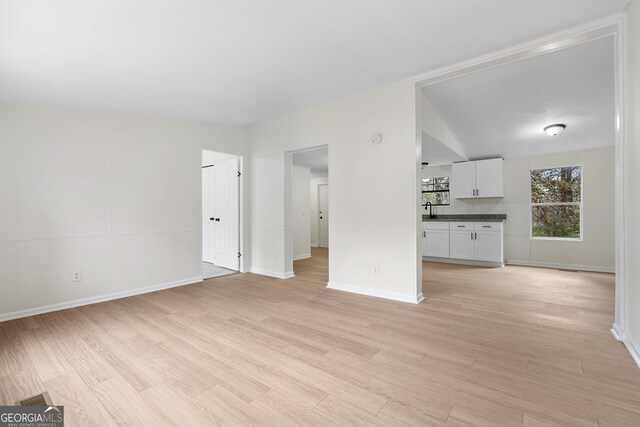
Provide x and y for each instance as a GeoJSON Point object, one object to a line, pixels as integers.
{"type": "Point", "coordinates": [476, 263]}
{"type": "Point", "coordinates": [376, 293]}
{"type": "Point", "coordinates": [274, 274]}
{"type": "Point", "coordinates": [633, 350]}
{"type": "Point", "coordinates": [97, 299]}
{"type": "Point", "coordinates": [611, 26]}
{"type": "Point", "coordinates": [303, 256]}
{"type": "Point", "coordinates": [579, 267]}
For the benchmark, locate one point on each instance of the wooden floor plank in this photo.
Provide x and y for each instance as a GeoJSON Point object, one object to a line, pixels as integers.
{"type": "Point", "coordinates": [515, 346]}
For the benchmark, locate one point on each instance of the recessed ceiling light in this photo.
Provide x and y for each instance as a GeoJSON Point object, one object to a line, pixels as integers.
{"type": "Point", "coordinates": [553, 130]}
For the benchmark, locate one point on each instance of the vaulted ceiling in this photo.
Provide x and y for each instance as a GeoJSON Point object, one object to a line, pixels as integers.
{"type": "Point", "coordinates": [502, 111]}
{"type": "Point", "coordinates": [247, 60]}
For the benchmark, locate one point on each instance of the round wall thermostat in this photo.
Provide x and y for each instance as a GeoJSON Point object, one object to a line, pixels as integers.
{"type": "Point", "coordinates": [376, 138]}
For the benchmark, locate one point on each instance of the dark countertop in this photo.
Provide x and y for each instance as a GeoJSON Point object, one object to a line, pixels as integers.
{"type": "Point", "coordinates": [466, 217]}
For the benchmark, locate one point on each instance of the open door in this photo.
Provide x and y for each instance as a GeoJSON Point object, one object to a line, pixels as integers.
{"type": "Point", "coordinates": [227, 218]}
{"type": "Point", "coordinates": [208, 214]}
{"type": "Point", "coordinates": [323, 216]}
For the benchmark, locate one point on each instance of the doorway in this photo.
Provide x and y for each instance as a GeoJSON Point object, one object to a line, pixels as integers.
{"type": "Point", "coordinates": [585, 36]}
{"type": "Point", "coordinates": [220, 214]}
{"type": "Point", "coordinates": [309, 210]}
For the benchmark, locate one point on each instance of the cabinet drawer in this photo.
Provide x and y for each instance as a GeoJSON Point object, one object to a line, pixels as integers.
{"type": "Point", "coordinates": [487, 226]}
{"type": "Point", "coordinates": [461, 226]}
{"type": "Point", "coordinates": [435, 225]}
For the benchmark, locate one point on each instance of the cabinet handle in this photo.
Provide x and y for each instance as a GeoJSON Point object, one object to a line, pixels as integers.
{"type": "Point", "coordinates": [486, 226]}
{"type": "Point", "coordinates": [461, 226]}
{"type": "Point", "coordinates": [424, 234]}
{"type": "Point", "coordinates": [477, 192]}
{"type": "Point", "coordinates": [476, 236]}
{"type": "Point", "coordinates": [472, 235]}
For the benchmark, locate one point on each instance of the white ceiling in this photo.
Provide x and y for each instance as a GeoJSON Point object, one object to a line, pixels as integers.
{"type": "Point", "coordinates": [436, 153]}
{"type": "Point", "coordinates": [502, 111]}
{"type": "Point", "coordinates": [247, 60]}
{"type": "Point", "coordinates": [317, 160]}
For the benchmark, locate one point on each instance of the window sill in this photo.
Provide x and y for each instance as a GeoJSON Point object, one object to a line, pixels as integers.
{"type": "Point", "coordinates": [562, 239]}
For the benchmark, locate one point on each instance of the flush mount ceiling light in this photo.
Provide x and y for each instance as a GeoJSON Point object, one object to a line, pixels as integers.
{"type": "Point", "coordinates": [553, 130]}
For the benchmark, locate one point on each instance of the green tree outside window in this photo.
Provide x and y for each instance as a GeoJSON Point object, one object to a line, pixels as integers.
{"type": "Point", "coordinates": [556, 203]}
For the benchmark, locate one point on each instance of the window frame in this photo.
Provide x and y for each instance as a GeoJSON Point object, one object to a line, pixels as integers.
{"type": "Point", "coordinates": [580, 204]}
{"type": "Point", "coordinates": [436, 191]}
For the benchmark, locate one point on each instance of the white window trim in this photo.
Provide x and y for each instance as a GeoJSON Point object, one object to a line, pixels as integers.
{"type": "Point", "coordinates": [449, 190]}
{"type": "Point", "coordinates": [580, 203]}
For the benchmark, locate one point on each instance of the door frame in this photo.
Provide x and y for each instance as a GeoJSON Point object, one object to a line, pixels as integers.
{"type": "Point", "coordinates": [288, 206]}
{"type": "Point", "coordinates": [608, 27]}
{"type": "Point", "coordinates": [243, 265]}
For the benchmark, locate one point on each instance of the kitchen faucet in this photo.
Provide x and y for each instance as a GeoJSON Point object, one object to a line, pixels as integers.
{"type": "Point", "coordinates": [430, 206]}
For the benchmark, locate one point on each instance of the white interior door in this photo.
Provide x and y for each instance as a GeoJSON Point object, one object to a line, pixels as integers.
{"type": "Point", "coordinates": [227, 218]}
{"type": "Point", "coordinates": [208, 213]}
{"type": "Point", "coordinates": [323, 215]}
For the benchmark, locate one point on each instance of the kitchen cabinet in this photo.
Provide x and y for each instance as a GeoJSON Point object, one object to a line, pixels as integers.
{"type": "Point", "coordinates": [435, 236]}
{"type": "Point", "coordinates": [477, 179]}
{"type": "Point", "coordinates": [465, 241]}
{"type": "Point", "coordinates": [461, 240]}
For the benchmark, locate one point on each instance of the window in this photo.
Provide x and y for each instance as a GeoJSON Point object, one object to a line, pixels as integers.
{"type": "Point", "coordinates": [435, 189]}
{"type": "Point", "coordinates": [556, 203]}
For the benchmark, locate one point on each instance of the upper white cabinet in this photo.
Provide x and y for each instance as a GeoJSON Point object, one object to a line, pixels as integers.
{"type": "Point", "coordinates": [477, 179]}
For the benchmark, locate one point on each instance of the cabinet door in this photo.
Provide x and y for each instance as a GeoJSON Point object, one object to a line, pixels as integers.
{"type": "Point", "coordinates": [488, 246]}
{"type": "Point", "coordinates": [436, 243]}
{"type": "Point", "coordinates": [463, 180]}
{"type": "Point", "coordinates": [461, 244]}
{"type": "Point", "coordinates": [489, 178]}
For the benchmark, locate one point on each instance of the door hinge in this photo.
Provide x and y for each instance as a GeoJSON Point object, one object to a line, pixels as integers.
{"type": "Point", "coordinates": [239, 173]}
{"type": "Point", "coordinates": [239, 254]}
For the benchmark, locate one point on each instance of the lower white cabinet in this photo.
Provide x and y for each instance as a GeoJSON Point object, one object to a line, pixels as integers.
{"type": "Point", "coordinates": [435, 238]}
{"type": "Point", "coordinates": [474, 241]}
{"type": "Point", "coordinates": [462, 246]}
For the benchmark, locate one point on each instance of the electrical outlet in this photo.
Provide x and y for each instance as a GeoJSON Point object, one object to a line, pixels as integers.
{"type": "Point", "coordinates": [376, 271]}
{"type": "Point", "coordinates": [76, 276]}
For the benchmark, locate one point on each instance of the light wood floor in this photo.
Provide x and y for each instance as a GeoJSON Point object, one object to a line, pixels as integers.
{"type": "Point", "coordinates": [505, 347]}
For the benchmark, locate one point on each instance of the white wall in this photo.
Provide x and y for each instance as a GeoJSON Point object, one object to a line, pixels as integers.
{"type": "Point", "coordinates": [313, 194]}
{"type": "Point", "coordinates": [373, 202]}
{"type": "Point", "coordinates": [301, 178]}
{"type": "Point", "coordinates": [116, 196]}
{"type": "Point", "coordinates": [213, 157]}
{"type": "Point", "coordinates": [632, 177]}
{"type": "Point", "coordinates": [434, 125]}
{"type": "Point", "coordinates": [595, 251]}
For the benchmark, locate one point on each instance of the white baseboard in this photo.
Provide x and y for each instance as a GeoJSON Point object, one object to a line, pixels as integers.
{"type": "Point", "coordinates": [376, 293]}
{"type": "Point", "coordinates": [623, 338]}
{"type": "Point", "coordinates": [314, 245]}
{"type": "Point", "coordinates": [464, 261]}
{"type": "Point", "coordinates": [275, 274]}
{"type": "Point", "coordinates": [304, 256]}
{"type": "Point", "coordinates": [617, 334]}
{"type": "Point", "coordinates": [562, 266]}
{"type": "Point", "coordinates": [635, 352]}
{"type": "Point", "coordinates": [93, 300]}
